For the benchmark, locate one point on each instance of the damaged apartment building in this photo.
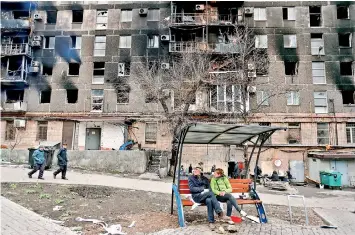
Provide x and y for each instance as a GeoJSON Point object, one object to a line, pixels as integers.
{"type": "Point", "coordinates": [66, 76]}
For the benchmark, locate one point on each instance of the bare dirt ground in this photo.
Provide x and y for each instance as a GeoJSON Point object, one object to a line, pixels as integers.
{"type": "Point", "coordinates": [121, 206]}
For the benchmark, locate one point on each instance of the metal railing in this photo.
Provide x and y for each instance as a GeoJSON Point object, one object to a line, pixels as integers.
{"type": "Point", "coordinates": [203, 47]}
{"type": "Point", "coordinates": [14, 24]}
{"type": "Point", "coordinates": [16, 49]}
{"type": "Point", "coordinates": [16, 106]}
{"type": "Point", "coordinates": [202, 18]}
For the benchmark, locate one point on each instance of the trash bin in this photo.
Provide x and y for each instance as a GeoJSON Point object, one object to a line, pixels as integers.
{"type": "Point", "coordinates": [331, 179]}
{"type": "Point", "coordinates": [49, 149]}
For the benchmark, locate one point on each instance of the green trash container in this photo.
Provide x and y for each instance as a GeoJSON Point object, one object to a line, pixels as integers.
{"type": "Point", "coordinates": [330, 179]}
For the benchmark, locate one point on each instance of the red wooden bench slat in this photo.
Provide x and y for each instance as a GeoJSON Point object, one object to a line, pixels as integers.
{"type": "Point", "coordinates": [235, 190]}
{"type": "Point", "coordinates": [186, 202]}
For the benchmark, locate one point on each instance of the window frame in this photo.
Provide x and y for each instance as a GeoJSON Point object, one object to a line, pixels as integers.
{"type": "Point", "coordinates": [10, 131]}
{"type": "Point", "coordinates": [317, 96]}
{"type": "Point", "coordinates": [349, 39]}
{"type": "Point", "coordinates": [316, 41]}
{"type": "Point", "coordinates": [56, 17]}
{"type": "Point", "coordinates": [222, 104]}
{"type": "Point", "coordinates": [288, 13]}
{"type": "Point", "coordinates": [45, 66]}
{"type": "Point", "coordinates": [264, 100]}
{"type": "Point", "coordinates": [291, 38]}
{"type": "Point", "coordinates": [42, 124]}
{"type": "Point", "coordinates": [126, 15]}
{"type": "Point", "coordinates": [77, 96]}
{"type": "Point", "coordinates": [259, 42]}
{"type": "Point", "coordinates": [82, 17]}
{"type": "Point", "coordinates": [50, 96]}
{"type": "Point", "coordinates": [73, 75]}
{"type": "Point", "coordinates": [295, 98]}
{"type": "Point", "coordinates": [98, 43]}
{"type": "Point", "coordinates": [348, 12]}
{"type": "Point", "coordinates": [48, 39]}
{"type": "Point", "coordinates": [97, 77]}
{"type": "Point", "coordinates": [151, 140]}
{"type": "Point", "coordinates": [103, 18]}
{"type": "Point", "coordinates": [93, 96]}
{"type": "Point", "coordinates": [124, 40]}
{"type": "Point", "coordinates": [317, 69]}
{"type": "Point", "coordinates": [78, 40]}
{"type": "Point", "coordinates": [350, 132]}
{"type": "Point", "coordinates": [257, 15]}
{"type": "Point", "coordinates": [325, 128]}
{"type": "Point", "coordinates": [154, 39]}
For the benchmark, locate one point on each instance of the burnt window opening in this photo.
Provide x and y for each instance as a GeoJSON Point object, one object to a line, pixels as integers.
{"type": "Point", "coordinates": [78, 16]}
{"type": "Point", "coordinates": [51, 17]}
{"type": "Point", "coordinates": [21, 14]}
{"type": "Point", "coordinates": [150, 98]}
{"type": "Point", "coordinates": [342, 12]}
{"type": "Point", "coordinates": [10, 130]}
{"type": "Point", "coordinates": [45, 96]}
{"type": "Point", "coordinates": [315, 16]}
{"type": "Point", "coordinates": [344, 39]}
{"type": "Point", "coordinates": [291, 68]}
{"type": "Point", "coordinates": [123, 94]}
{"type": "Point", "coordinates": [346, 69]}
{"type": "Point", "coordinates": [99, 69]}
{"type": "Point", "coordinates": [74, 69]}
{"type": "Point", "coordinates": [348, 97]}
{"type": "Point", "coordinates": [47, 70]}
{"type": "Point", "coordinates": [13, 96]}
{"type": "Point", "coordinates": [289, 13]}
{"type": "Point", "coordinates": [72, 96]}
{"type": "Point", "coordinates": [124, 69]}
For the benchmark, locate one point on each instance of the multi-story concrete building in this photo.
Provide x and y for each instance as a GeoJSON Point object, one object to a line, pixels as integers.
{"type": "Point", "coordinates": [80, 90]}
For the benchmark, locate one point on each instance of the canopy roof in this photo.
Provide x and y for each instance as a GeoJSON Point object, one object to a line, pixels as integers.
{"type": "Point", "coordinates": [229, 134]}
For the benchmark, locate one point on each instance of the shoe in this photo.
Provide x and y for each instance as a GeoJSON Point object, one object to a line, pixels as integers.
{"type": "Point", "coordinates": [212, 226]}
{"type": "Point", "coordinates": [243, 213]}
{"type": "Point", "coordinates": [29, 176]}
{"type": "Point", "coordinates": [64, 178]}
{"type": "Point", "coordinates": [41, 178]}
{"type": "Point", "coordinates": [223, 218]}
{"type": "Point", "coordinates": [194, 206]}
{"type": "Point", "coordinates": [54, 175]}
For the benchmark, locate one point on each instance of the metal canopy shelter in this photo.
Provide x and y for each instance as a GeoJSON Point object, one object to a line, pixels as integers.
{"type": "Point", "coordinates": [222, 134]}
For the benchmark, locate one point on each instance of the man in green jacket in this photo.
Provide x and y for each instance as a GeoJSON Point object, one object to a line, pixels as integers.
{"type": "Point", "coordinates": [222, 189]}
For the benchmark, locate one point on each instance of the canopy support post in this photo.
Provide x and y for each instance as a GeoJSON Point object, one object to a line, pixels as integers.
{"type": "Point", "coordinates": [251, 155]}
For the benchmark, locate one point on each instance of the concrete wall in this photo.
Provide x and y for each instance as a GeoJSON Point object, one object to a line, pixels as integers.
{"type": "Point", "coordinates": [19, 156]}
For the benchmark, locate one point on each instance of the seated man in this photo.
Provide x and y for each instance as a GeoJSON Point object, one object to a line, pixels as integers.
{"type": "Point", "coordinates": [200, 191]}
{"type": "Point", "coordinates": [222, 189]}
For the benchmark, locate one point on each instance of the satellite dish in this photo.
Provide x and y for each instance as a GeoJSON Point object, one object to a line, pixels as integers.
{"type": "Point", "coordinates": [277, 163]}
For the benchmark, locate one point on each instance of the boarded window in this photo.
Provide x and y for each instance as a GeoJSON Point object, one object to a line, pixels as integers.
{"type": "Point", "coordinates": [42, 128]}
{"type": "Point", "coordinates": [51, 17]}
{"type": "Point", "coordinates": [293, 98]}
{"type": "Point", "coordinates": [315, 16]}
{"type": "Point", "coordinates": [75, 42]}
{"type": "Point", "coordinates": [126, 15]}
{"type": "Point", "coordinates": [344, 39]}
{"type": "Point", "coordinates": [153, 15]}
{"type": "Point", "coordinates": [294, 133]}
{"type": "Point", "coordinates": [268, 141]}
{"type": "Point", "coordinates": [317, 44]}
{"type": "Point", "coordinates": [290, 41]}
{"type": "Point", "coordinates": [125, 41]}
{"type": "Point", "coordinates": [291, 68]}
{"type": "Point", "coordinates": [261, 41]}
{"type": "Point", "coordinates": [100, 46]}
{"type": "Point", "coordinates": [13, 96]}
{"type": "Point", "coordinates": [78, 16]}
{"type": "Point", "coordinates": [97, 100]}
{"type": "Point", "coordinates": [72, 96]}
{"type": "Point", "coordinates": [74, 69]}
{"type": "Point", "coordinates": [322, 133]}
{"type": "Point", "coordinates": [318, 73]}
{"type": "Point", "coordinates": [101, 19]}
{"type": "Point", "coordinates": [259, 14]}
{"type": "Point", "coordinates": [289, 13]}
{"type": "Point", "coordinates": [350, 133]}
{"type": "Point", "coordinates": [49, 42]}
{"type": "Point", "coordinates": [153, 41]}
{"type": "Point", "coordinates": [320, 102]}
{"type": "Point", "coordinates": [342, 12]}
{"type": "Point", "coordinates": [262, 98]}
{"type": "Point", "coordinates": [98, 73]}
{"type": "Point", "coordinates": [151, 132]}
{"type": "Point", "coordinates": [10, 130]}
{"type": "Point", "coordinates": [45, 96]}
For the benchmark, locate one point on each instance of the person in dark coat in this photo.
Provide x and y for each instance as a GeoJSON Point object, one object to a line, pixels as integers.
{"type": "Point", "coordinates": [62, 162]}
{"type": "Point", "coordinates": [274, 176]}
{"type": "Point", "coordinates": [190, 169]}
{"type": "Point", "coordinates": [39, 163]}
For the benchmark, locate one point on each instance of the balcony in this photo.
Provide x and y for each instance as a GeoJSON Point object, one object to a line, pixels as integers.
{"type": "Point", "coordinates": [186, 47]}
{"type": "Point", "coordinates": [16, 49]}
{"type": "Point", "coordinates": [189, 19]}
{"type": "Point", "coordinates": [18, 106]}
{"type": "Point", "coordinates": [221, 19]}
{"type": "Point", "coordinates": [14, 24]}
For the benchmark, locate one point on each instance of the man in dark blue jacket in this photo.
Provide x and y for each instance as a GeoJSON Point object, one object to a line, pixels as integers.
{"type": "Point", "coordinates": [202, 193]}
{"type": "Point", "coordinates": [62, 162]}
{"type": "Point", "coordinates": [39, 162]}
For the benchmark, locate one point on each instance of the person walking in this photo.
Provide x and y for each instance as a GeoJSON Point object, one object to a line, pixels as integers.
{"type": "Point", "coordinates": [62, 162]}
{"type": "Point", "coordinates": [39, 163]}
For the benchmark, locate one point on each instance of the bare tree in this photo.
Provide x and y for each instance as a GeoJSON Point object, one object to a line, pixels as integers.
{"type": "Point", "coordinates": [16, 140]}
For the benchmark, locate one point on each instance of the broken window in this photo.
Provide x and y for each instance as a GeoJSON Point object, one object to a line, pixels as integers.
{"type": "Point", "coordinates": [10, 130]}
{"type": "Point", "coordinates": [290, 41]}
{"type": "Point", "coordinates": [294, 133]}
{"type": "Point", "coordinates": [320, 102]}
{"type": "Point", "coordinates": [78, 16]}
{"type": "Point", "coordinates": [317, 44]}
{"type": "Point", "coordinates": [346, 68]}
{"type": "Point", "coordinates": [100, 46]}
{"type": "Point", "coordinates": [47, 70]}
{"type": "Point", "coordinates": [291, 68]}
{"type": "Point", "coordinates": [21, 14]}
{"type": "Point", "coordinates": [42, 128]}
{"type": "Point", "coordinates": [101, 19]}
{"type": "Point", "coordinates": [72, 96]}
{"type": "Point", "coordinates": [45, 96]}
{"type": "Point", "coordinates": [150, 98]}
{"type": "Point", "coordinates": [126, 15]}
{"type": "Point", "coordinates": [75, 42]}
{"type": "Point", "coordinates": [97, 100]}
{"type": "Point", "coordinates": [73, 69]}
{"type": "Point", "coordinates": [153, 41]}
{"type": "Point", "coordinates": [98, 73]}
{"type": "Point", "coordinates": [318, 73]}
{"type": "Point", "coordinates": [293, 98]}
{"type": "Point", "coordinates": [153, 15]}
{"type": "Point", "coordinates": [348, 97]}
{"type": "Point", "coordinates": [342, 12]}
{"type": "Point", "coordinates": [259, 14]}
{"type": "Point", "coordinates": [261, 41]}
{"type": "Point", "coordinates": [322, 133]}
{"type": "Point", "coordinates": [268, 141]}
{"type": "Point", "coordinates": [125, 41]}
{"type": "Point", "coordinates": [289, 13]}
{"type": "Point", "coordinates": [124, 69]}
{"type": "Point", "coordinates": [315, 16]}
{"type": "Point", "coordinates": [226, 98]}
{"type": "Point", "coordinates": [123, 95]}
{"type": "Point", "coordinates": [151, 130]}
{"type": "Point", "coordinates": [262, 98]}
{"type": "Point", "coordinates": [51, 17]}
{"type": "Point", "coordinates": [13, 96]}
{"type": "Point", "coordinates": [49, 42]}
{"type": "Point", "coordinates": [350, 133]}
{"type": "Point", "coordinates": [344, 39]}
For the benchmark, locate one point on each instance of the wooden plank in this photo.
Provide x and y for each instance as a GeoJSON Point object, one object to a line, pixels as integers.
{"type": "Point", "coordinates": [234, 186]}
{"type": "Point", "coordinates": [236, 190]}
{"type": "Point", "coordinates": [186, 202]}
